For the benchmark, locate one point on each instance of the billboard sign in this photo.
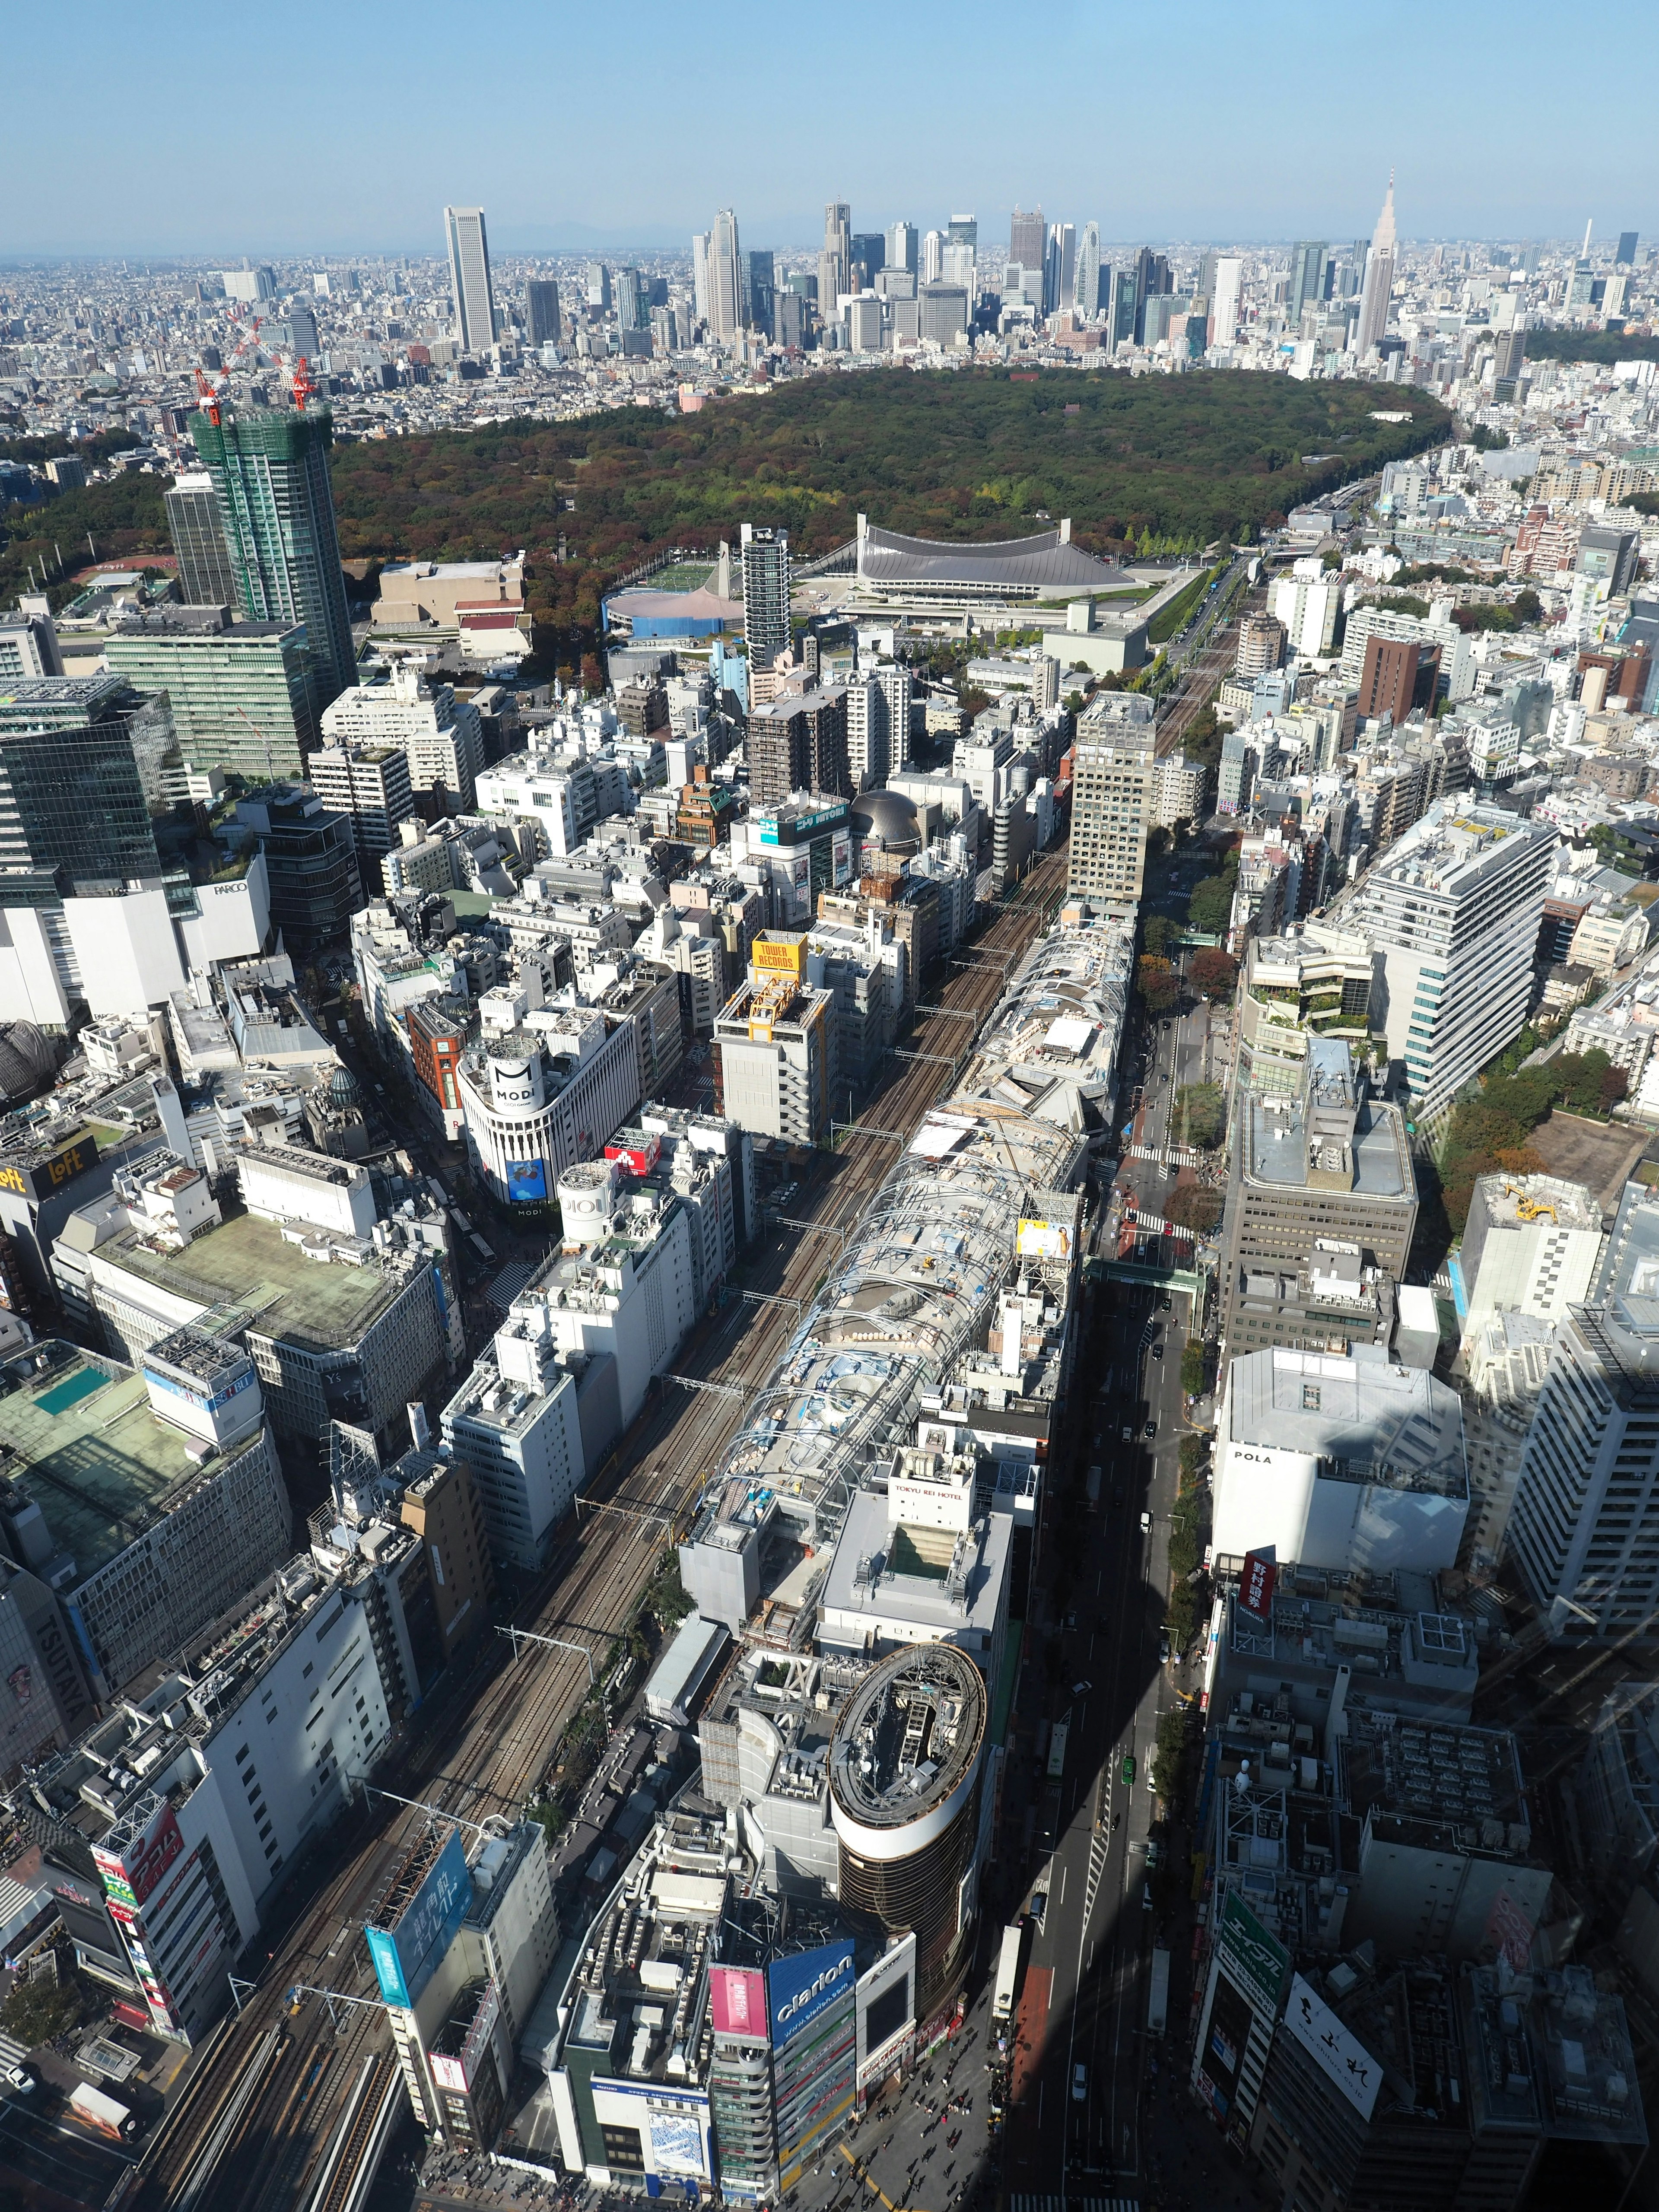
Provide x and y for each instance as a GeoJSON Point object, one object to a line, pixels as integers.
{"type": "Point", "coordinates": [737, 2003]}
{"type": "Point", "coordinates": [527, 1182]}
{"type": "Point", "coordinates": [1339, 2056]}
{"type": "Point", "coordinates": [1257, 1582]}
{"type": "Point", "coordinates": [1044, 1240]}
{"type": "Point", "coordinates": [672, 2125]}
{"type": "Point", "coordinates": [1256, 1961]}
{"type": "Point", "coordinates": [131, 1876]}
{"type": "Point", "coordinates": [800, 1988]}
{"type": "Point", "coordinates": [779, 957]}
{"type": "Point", "coordinates": [40, 1179]}
{"type": "Point", "coordinates": [405, 1957]}
{"type": "Point", "coordinates": [638, 1159]}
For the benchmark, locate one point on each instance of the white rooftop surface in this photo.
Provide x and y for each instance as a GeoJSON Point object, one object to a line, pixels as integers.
{"type": "Point", "coordinates": [874, 1599]}
{"type": "Point", "coordinates": [1393, 1426]}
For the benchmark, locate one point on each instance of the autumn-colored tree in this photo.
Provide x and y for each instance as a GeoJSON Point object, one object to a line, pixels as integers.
{"type": "Point", "coordinates": [1213, 972]}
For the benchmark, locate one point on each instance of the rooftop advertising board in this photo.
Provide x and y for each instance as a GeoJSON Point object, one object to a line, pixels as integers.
{"type": "Point", "coordinates": [406, 1956]}
{"type": "Point", "coordinates": [737, 2002]}
{"type": "Point", "coordinates": [800, 1988]}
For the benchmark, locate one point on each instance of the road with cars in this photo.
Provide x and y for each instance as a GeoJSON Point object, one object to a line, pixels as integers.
{"type": "Point", "coordinates": [1077, 2125]}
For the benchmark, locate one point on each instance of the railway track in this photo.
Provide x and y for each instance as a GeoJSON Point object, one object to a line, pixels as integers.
{"type": "Point", "coordinates": [284, 2142]}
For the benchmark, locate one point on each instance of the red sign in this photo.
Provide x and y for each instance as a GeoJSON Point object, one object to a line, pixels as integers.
{"type": "Point", "coordinates": [639, 1159]}
{"type": "Point", "coordinates": [737, 2002]}
{"type": "Point", "coordinates": [1256, 1583]}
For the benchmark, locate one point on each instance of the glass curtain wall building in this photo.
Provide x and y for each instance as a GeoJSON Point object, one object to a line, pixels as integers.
{"type": "Point", "coordinates": [72, 807]}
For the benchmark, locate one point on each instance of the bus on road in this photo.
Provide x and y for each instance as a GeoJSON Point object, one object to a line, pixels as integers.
{"type": "Point", "coordinates": [1007, 1983]}
{"type": "Point", "coordinates": [1057, 1748]}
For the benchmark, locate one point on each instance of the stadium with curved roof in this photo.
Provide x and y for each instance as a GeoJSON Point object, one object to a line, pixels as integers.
{"type": "Point", "coordinates": [1046, 564]}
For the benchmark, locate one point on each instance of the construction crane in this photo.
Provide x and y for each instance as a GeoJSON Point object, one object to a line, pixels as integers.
{"type": "Point", "coordinates": [210, 391]}
{"type": "Point", "coordinates": [304, 388]}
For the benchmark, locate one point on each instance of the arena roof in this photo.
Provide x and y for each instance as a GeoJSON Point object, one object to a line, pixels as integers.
{"type": "Point", "coordinates": [1047, 561]}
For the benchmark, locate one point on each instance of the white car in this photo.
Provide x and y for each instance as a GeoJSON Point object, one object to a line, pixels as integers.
{"type": "Point", "coordinates": [17, 2077]}
{"type": "Point", "coordinates": [1146, 1524]}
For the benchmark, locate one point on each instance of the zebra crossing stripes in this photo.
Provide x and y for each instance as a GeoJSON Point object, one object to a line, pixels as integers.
{"type": "Point", "coordinates": [502, 1289]}
{"type": "Point", "coordinates": [1073, 2204]}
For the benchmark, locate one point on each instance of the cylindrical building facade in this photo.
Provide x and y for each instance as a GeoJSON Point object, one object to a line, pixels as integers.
{"type": "Point", "coordinates": [905, 1767]}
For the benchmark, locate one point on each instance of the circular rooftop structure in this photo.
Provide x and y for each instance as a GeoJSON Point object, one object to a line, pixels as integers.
{"type": "Point", "coordinates": [888, 820]}
{"type": "Point", "coordinates": [906, 1750]}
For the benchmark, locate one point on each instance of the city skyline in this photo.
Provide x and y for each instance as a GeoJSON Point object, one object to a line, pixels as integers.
{"type": "Point", "coordinates": [348, 189]}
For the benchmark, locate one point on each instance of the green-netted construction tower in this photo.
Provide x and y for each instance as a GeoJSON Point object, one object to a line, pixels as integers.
{"type": "Point", "coordinates": [269, 472]}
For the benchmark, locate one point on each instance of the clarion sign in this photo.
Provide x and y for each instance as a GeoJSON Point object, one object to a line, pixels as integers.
{"type": "Point", "coordinates": [804, 1999]}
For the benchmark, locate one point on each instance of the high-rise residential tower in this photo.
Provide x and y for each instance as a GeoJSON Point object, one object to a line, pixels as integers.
{"type": "Point", "coordinates": [541, 311]}
{"type": "Point", "coordinates": [1379, 281]}
{"type": "Point", "coordinates": [207, 576]}
{"type": "Point", "coordinates": [469, 278]}
{"type": "Point", "coordinates": [1086, 291]}
{"type": "Point", "coordinates": [1229, 285]}
{"type": "Point", "coordinates": [1028, 238]}
{"type": "Point", "coordinates": [1583, 1532]}
{"type": "Point", "coordinates": [1307, 277]}
{"type": "Point", "coordinates": [725, 280]}
{"type": "Point", "coordinates": [765, 594]}
{"type": "Point", "coordinates": [1112, 794]}
{"type": "Point", "coordinates": [269, 472]}
{"type": "Point", "coordinates": [836, 261]}
{"type": "Point", "coordinates": [1454, 908]}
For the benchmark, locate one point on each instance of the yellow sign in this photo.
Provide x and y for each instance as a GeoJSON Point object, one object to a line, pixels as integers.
{"type": "Point", "coordinates": [785, 957]}
{"type": "Point", "coordinates": [1044, 1240]}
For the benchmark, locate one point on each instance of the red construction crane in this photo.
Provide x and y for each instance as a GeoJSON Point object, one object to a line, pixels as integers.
{"type": "Point", "coordinates": [304, 388]}
{"type": "Point", "coordinates": [210, 392]}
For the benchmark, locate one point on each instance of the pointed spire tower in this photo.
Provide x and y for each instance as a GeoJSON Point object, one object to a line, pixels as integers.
{"type": "Point", "coordinates": [1379, 281]}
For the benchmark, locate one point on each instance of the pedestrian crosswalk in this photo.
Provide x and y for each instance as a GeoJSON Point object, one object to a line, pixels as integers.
{"type": "Point", "coordinates": [505, 1287]}
{"type": "Point", "coordinates": [1073, 2204]}
{"type": "Point", "coordinates": [1169, 1156]}
{"type": "Point", "coordinates": [12, 2053]}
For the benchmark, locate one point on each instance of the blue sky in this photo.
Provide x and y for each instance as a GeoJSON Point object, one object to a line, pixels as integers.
{"type": "Point", "coordinates": [309, 129]}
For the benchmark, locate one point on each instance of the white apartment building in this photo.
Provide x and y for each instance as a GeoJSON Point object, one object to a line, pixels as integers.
{"type": "Point", "coordinates": [1112, 789]}
{"type": "Point", "coordinates": [517, 1423]}
{"type": "Point", "coordinates": [564, 795]}
{"type": "Point", "coordinates": [1584, 1530]}
{"type": "Point", "coordinates": [441, 735]}
{"type": "Point", "coordinates": [1177, 790]}
{"type": "Point", "coordinates": [370, 783]}
{"type": "Point", "coordinates": [1530, 1246]}
{"type": "Point", "coordinates": [1307, 603]}
{"type": "Point", "coordinates": [1453, 908]}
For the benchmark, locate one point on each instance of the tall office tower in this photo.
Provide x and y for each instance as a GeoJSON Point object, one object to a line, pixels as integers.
{"type": "Point", "coordinates": [632, 298]}
{"type": "Point", "coordinates": [836, 261]}
{"type": "Point", "coordinates": [269, 472]}
{"type": "Point", "coordinates": [206, 576]}
{"type": "Point", "coordinates": [725, 280]}
{"type": "Point", "coordinates": [1379, 281]}
{"type": "Point", "coordinates": [932, 257]}
{"type": "Point", "coordinates": [869, 254]}
{"type": "Point", "coordinates": [1584, 1530]}
{"type": "Point", "coordinates": [964, 230]}
{"type": "Point", "coordinates": [1112, 792]}
{"type": "Point", "coordinates": [1625, 257]}
{"type": "Point", "coordinates": [1228, 284]}
{"type": "Point", "coordinates": [242, 696]}
{"type": "Point", "coordinates": [541, 311]}
{"type": "Point", "coordinates": [1065, 234]}
{"type": "Point", "coordinates": [1122, 285]}
{"type": "Point", "coordinates": [789, 319]}
{"type": "Point", "coordinates": [71, 804]}
{"type": "Point", "coordinates": [469, 278]}
{"type": "Point", "coordinates": [597, 278]}
{"type": "Point", "coordinates": [700, 274]}
{"type": "Point", "coordinates": [1027, 237]}
{"type": "Point", "coordinates": [760, 269]}
{"type": "Point", "coordinates": [1307, 278]}
{"type": "Point", "coordinates": [903, 241]}
{"type": "Point", "coordinates": [766, 630]}
{"type": "Point", "coordinates": [1086, 289]}
{"type": "Point", "coordinates": [1454, 907]}
{"type": "Point", "coordinates": [1510, 355]}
